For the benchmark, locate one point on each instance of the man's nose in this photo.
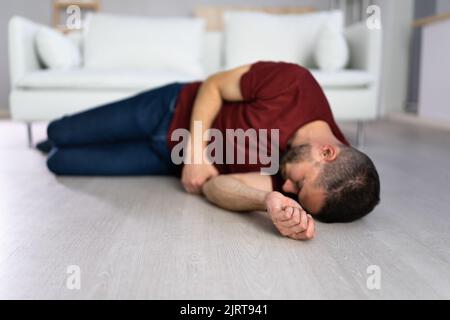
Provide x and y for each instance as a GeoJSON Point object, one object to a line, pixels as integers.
{"type": "Point", "coordinates": [288, 186]}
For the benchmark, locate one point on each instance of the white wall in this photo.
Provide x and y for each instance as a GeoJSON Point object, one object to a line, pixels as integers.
{"type": "Point", "coordinates": [442, 6]}
{"type": "Point", "coordinates": [434, 70]}
{"type": "Point", "coordinates": [185, 7]}
{"type": "Point", "coordinates": [397, 18]}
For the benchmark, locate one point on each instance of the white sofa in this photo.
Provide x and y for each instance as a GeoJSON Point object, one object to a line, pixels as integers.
{"type": "Point", "coordinates": [40, 94]}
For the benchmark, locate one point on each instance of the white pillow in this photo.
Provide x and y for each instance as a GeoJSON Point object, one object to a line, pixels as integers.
{"type": "Point", "coordinates": [56, 51]}
{"type": "Point", "coordinates": [332, 51]}
{"type": "Point", "coordinates": [251, 36]}
{"type": "Point", "coordinates": [173, 44]}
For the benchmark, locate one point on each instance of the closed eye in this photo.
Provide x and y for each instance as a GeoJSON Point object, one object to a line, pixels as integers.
{"type": "Point", "coordinates": [299, 184]}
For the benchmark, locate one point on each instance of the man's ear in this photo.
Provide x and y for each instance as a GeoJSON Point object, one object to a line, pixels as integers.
{"type": "Point", "coordinates": [328, 152]}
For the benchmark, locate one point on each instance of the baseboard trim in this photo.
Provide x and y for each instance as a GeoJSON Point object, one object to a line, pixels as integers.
{"type": "Point", "coordinates": [418, 120]}
{"type": "Point", "coordinates": [4, 113]}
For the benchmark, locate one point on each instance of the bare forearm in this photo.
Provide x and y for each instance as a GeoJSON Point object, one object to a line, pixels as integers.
{"type": "Point", "coordinates": [205, 109]}
{"type": "Point", "coordinates": [222, 86]}
{"type": "Point", "coordinates": [207, 104]}
{"type": "Point", "coordinates": [231, 194]}
{"type": "Point", "coordinates": [213, 91]}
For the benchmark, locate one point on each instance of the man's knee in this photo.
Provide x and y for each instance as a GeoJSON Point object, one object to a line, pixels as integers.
{"type": "Point", "coordinates": [55, 131]}
{"type": "Point", "coordinates": [55, 162]}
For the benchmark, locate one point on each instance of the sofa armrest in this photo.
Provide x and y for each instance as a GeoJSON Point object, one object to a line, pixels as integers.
{"type": "Point", "coordinates": [365, 48]}
{"type": "Point", "coordinates": [23, 57]}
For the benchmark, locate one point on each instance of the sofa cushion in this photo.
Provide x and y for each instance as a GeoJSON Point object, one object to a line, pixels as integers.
{"type": "Point", "coordinates": [343, 78]}
{"type": "Point", "coordinates": [85, 79]}
{"type": "Point", "coordinates": [252, 36]}
{"type": "Point", "coordinates": [81, 79]}
{"type": "Point", "coordinates": [56, 51]}
{"type": "Point", "coordinates": [331, 52]}
{"type": "Point", "coordinates": [132, 42]}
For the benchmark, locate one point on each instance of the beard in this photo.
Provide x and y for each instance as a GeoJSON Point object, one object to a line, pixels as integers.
{"type": "Point", "coordinates": [297, 154]}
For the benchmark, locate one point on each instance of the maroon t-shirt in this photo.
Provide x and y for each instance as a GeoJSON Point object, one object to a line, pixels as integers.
{"type": "Point", "coordinates": [277, 95]}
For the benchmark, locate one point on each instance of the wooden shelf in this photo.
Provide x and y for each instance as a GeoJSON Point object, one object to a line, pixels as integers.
{"type": "Point", "coordinates": [432, 19]}
{"type": "Point", "coordinates": [86, 4]}
{"type": "Point", "coordinates": [62, 5]}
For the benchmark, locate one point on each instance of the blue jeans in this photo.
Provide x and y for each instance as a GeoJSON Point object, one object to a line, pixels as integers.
{"type": "Point", "coordinates": [127, 137]}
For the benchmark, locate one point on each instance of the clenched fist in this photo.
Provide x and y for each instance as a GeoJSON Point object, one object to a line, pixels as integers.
{"type": "Point", "coordinates": [289, 217]}
{"type": "Point", "coordinates": [194, 176]}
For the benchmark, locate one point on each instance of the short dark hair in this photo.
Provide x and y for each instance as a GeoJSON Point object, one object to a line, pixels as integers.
{"type": "Point", "coordinates": [352, 187]}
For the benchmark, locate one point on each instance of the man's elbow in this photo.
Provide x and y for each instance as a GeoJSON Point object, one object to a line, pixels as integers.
{"type": "Point", "coordinates": [209, 189]}
{"type": "Point", "coordinates": [212, 81]}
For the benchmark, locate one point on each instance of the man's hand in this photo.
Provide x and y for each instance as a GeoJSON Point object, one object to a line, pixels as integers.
{"type": "Point", "coordinates": [289, 217]}
{"type": "Point", "coordinates": [194, 176]}
{"type": "Point", "coordinates": [222, 86]}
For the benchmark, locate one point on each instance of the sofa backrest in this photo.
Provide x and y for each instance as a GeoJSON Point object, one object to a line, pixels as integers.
{"type": "Point", "coordinates": [365, 48]}
{"type": "Point", "coordinates": [213, 52]}
{"type": "Point", "coordinates": [251, 36]}
{"type": "Point", "coordinates": [171, 43]}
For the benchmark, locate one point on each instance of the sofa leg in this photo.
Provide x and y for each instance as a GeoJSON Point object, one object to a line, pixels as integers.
{"type": "Point", "coordinates": [360, 134]}
{"type": "Point", "coordinates": [29, 134]}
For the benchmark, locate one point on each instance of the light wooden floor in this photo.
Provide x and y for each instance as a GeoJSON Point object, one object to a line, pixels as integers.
{"type": "Point", "coordinates": [144, 238]}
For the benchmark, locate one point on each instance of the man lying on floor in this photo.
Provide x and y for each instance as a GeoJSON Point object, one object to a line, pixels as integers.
{"type": "Point", "coordinates": [331, 180]}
